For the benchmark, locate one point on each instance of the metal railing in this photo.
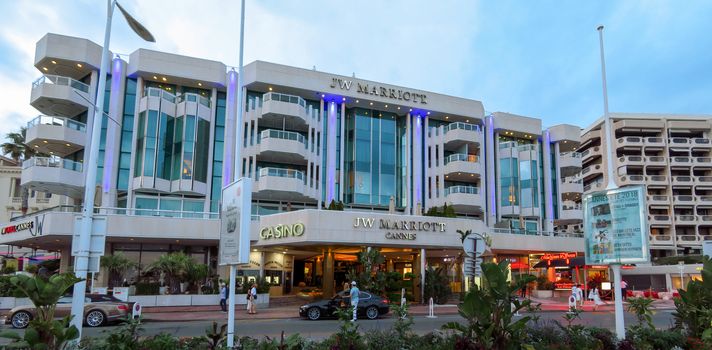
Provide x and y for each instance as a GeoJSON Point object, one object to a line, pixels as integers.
{"type": "Point", "coordinates": [687, 238]}
{"type": "Point", "coordinates": [576, 206]}
{"type": "Point", "coordinates": [284, 135]}
{"type": "Point", "coordinates": [631, 159]}
{"type": "Point", "coordinates": [16, 200]}
{"type": "Point", "coordinates": [192, 97]}
{"type": "Point", "coordinates": [703, 160]}
{"type": "Point", "coordinates": [156, 92]}
{"type": "Point", "coordinates": [460, 157]}
{"type": "Point", "coordinates": [705, 198]}
{"type": "Point", "coordinates": [57, 121]}
{"type": "Point", "coordinates": [462, 189]}
{"type": "Point", "coordinates": [522, 231]}
{"type": "Point", "coordinates": [55, 209]}
{"type": "Point", "coordinates": [52, 162]}
{"type": "Point", "coordinates": [681, 159]}
{"type": "Point", "coordinates": [508, 144]}
{"type": "Point", "coordinates": [661, 217]}
{"type": "Point", "coordinates": [273, 96]}
{"type": "Point", "coordinates": [462, 126]}
{"type": "Point", "coordinates": [184, 214]}
{"type": "Point", "coordinates": [60, 80]}
{"type": "Point", "coordinates": [279, 172]}
{"type": "Point", "coordinates": [524, 148]}
{"type": "Point", "coordinates": [571, 180]}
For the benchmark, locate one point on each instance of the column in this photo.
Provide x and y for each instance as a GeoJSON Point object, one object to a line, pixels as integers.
{"type": "Point", "coordinates": [113, 134]}
{"type": "Point", "coordinates": [331, 152]}
{"type": "Point", "coordinates": [408, 166]}
{"type": "Point", "coordinates": [548, 197]}
{"type": "Point", "coordinates": [441, 157]}
{"type": "Point", "coordinates": [423, 261]}
{"type": "Point", "coordinates": [328, 278]}
{"type": "Point", "coordinates": [65, 264]}
{"type": "Point", "coordinates": [426, 171]}
{"type": "Point", "coordinates": [341, 156]}
{"type": "Point", "coordinates": [320, 154]}
{"type": "Point", "coordinates": [417, 279]}
{"type": "Point", "coordinates": [262, 264]}
{"type": "Point", "coordinates": [417, 164]}
{"type": "Point", "coordinates": [558, 176]}
{"type": "Point", "coordinates": [491, 158]}
{"type": "Point", "coordinates": [230, 126]}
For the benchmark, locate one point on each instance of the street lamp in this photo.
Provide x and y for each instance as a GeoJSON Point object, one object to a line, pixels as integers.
{"type": "Point", "coordinates": [81, 263]}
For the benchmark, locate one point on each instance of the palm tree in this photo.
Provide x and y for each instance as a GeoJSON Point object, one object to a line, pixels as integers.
{"type": "Point", "coordinates": [174, 266]}
{"type": "Point", "coordinates": [18, 150]}
{"type": "Point", "coordinates": [117, 265]}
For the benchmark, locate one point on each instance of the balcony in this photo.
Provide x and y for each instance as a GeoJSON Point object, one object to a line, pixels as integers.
{"type": "Point", "coordinates": [664, 240]}
{"type": "Point", "coordinates": [56, 135]}
{"type": "Point", "coordinates": [631, 160]}
{"type": "Point", "coordinates": [679, 142]}
{"type": "Point", "coordinates": [688, 240]}
{"type": "Point", "coordinates": [57, 95]}
{"type": "Point", "coordinates": [685, 219]}
{"type": "Point", "coordinates": [682, 181]}
{"type": "Point", "coordinates": [283, 184]}
{"type": "Point", "coordinates": [462, 167]}
{"type": "Point", "coordinates": [591, 171]}
{"type": "Point", "coordinates": [571, 185]}
{"type": "Point", "coordinates": [570, 160]}
{"type": "Point", "coordinates": [659, 220]}
{"type": "Point", "coordinates": [590, 153]}
{"type": "Point", "coordinates": [465, 199]}
{"type": "Point", "coordinates": [459, 134]}
{"type": "Point", "coordinates": [684, 199]}
{"type": "Point", "coordinates": [54, 175]}
{"type": "Point", "coordinates": [651, 142]}
{"type": "Point", "coordinates": [681, 161]}
{"type": "Point", "coordinates": [630, 142]}
{"type": "Point", "coordinates": [590, 137]}
{"type": "Point", "coordinates": [704, 200]}
{"type": "Point", "coordinates": [701, 143]}
{"type": "Point", "coordinates": [703, 162]}
{"type": "Point", "coordinates": [656, 160]}
{"type": "Point", "coordinates": [282, 108]}
{"type": "Point", "coordinates": [283, 146]}
{"type": "Point", "coordinates": [707, 219]}
{"type": "Point", "coordinates": [596, 186]}
{"type": "Point", "coordinates": [571, 212]}
{"type": "Point", "coordinates": [657, 180]}
{"type": "Point", "coordinates": [632, 180]}
{"type": "Point", "coordinates": [704, 182]}
{"type": "Point", "coordinates": [658, 200]}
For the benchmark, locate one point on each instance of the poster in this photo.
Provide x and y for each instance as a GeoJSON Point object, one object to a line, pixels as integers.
{"type": "Point", "coordinates": [615, 227]}
{"type": "Point", "coordinates": [235, 213]}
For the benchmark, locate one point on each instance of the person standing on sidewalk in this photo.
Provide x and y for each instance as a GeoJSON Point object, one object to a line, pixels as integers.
{"type": "Point", "coordinates": [596, 297]}
{"type": "Point", "coordinates": [223, 297]}
{"type": "Point", "coordinates": [579, 294]}
{"type": "Point", "coordinates": [252, 298]}
{"type": "Point", "coordinates": [353, 294]}
{"type": "Point", "coordinates": [624, 289]}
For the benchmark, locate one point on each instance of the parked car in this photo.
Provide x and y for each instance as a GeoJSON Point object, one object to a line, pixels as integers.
{"type": "Point", "coordinates": [99, 309]}
{"type": "Point", "coordinates": [369, 306]}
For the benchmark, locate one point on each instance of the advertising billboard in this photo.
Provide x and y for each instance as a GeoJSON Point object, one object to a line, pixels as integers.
{"type": "Point", "coordinates": [235, 210]}
{"type": "Point", "coordinates": [615, 227]}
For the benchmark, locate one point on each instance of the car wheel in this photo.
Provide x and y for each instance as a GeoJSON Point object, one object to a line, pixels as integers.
{"type": "Point", "coordinates": [21, 319]}
{"type": "Point", "coordinates": [372, 312]}
{"type": "Point", "coordinates": [314, 313]}
{"type": "Point", "coordinates": [95, 318]}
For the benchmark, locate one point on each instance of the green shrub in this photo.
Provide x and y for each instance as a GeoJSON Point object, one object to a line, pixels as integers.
{"type": "Point", "coordinates": [143, 288]}
{"type": "Point", "coordinates": [693, 313]}
{"type": "Point", "coordinates": [7, 289]}
{"type": "Point", "coordinates": [161, 341]}
{"type": "Point", "coordinates": [646, 338]}
{"type": "Point", "coordinates": [437, 285]}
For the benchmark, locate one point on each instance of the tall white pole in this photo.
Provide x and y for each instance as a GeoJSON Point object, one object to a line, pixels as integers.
{"type": "Point", "coordinates": [81, 257]}
{"type": "Point", "coordinates": [238, 165]}
{"type": "Point", "coordinates": [620, 321]}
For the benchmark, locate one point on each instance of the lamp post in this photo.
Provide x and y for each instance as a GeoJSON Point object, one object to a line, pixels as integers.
{"type": "Point", "coordinates": [81, 263]}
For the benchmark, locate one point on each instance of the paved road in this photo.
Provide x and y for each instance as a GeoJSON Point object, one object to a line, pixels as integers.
{"type": "Point", "coordinates": [322, 329]}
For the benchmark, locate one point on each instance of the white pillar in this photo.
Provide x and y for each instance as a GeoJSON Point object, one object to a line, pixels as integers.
{"type": "Point", "coordinates": [408, 165]}
{"type": "Point", "coordinates": [548, 196]}
{"type": "Point", "coordinates": [112, 145]}
{"type": "Point", "coordinates": [558, 176]}
{"type": "Point", "coordinates": [422, 274]}
{"type": "Point", "coordinates": [229, 157]}
{"type": "Point", "coordinates": [320, 163]}
{"type": "Point", "coordinates": [417, 164]}
{"type": "Point", "coordinates": [343, 152]}
{"type": "Point", "coordinates": [491, 159]}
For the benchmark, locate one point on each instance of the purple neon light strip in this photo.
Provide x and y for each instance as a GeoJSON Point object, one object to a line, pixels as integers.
{"type": "Point", "coordinates": [331, 169]}
{"type": "Point", "coordinates": [116, 75]}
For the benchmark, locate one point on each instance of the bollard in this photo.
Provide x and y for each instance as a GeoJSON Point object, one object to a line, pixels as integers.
{"type": "Point", "coordinates": [572, 303]}
{"type": "Point", "coordinates": [431, 310]}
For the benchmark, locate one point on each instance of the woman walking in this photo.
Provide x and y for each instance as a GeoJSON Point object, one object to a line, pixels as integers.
{"type": "Point", "coordinates": [251, 299]}
{"type": "Point", "coordinates": [596, 297]}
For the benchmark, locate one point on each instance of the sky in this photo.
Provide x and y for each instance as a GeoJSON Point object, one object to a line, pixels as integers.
{"type": "Point", "coordinates": [533, 58]}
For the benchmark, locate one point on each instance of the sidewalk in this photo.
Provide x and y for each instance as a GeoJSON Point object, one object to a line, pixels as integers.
{"type": "Point", "coordinates": [213, 313]}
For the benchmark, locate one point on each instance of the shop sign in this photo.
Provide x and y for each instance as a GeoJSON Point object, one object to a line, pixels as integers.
{"type": "Point", "coordinates": [16, 228]}
{"type": "Point", "coordinates": [563, 285]}
{"type": "Point", "coordinates": [615, 227]}
{"type": "Point", "coordinates": [376, 90]}
{"type": "Point", "coordinates": [557, 256]}
{"type": "Point", "coordinates": [407, 236]}
{"type": "Point", "coordinates": [398, 229]}
{"type": "Point", "coordinates": [273, 263]}
{"type": "Point", "coordinates": [282, 231]}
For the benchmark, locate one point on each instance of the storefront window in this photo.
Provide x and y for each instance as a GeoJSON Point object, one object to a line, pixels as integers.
{"type": "Point", "coordinates": [273, 277]}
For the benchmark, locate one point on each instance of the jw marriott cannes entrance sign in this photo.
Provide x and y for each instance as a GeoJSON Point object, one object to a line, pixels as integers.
{"type": "Point", "coordinates": [377, 90]}
{"type": "Point", "coordinates": [399, 229]}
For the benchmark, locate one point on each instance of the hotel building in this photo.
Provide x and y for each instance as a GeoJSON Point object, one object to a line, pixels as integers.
{"type": "Point", "coordinates": [307, 139]}
{"type": "Point", "coordinates": [669, 155]}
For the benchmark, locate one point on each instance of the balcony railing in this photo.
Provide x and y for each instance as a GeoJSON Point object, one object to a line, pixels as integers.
{"type": "Point", "coordinates": [52, 162]}
{"type": "Point", "coordinates": [685, 218]}
{"type": "Point", "coordinates": [682, 179]}
{"type": "Point", "coordinates": [508, 144]}
{"type": "Point", "coordinates": [462, 189]}
{"type": "Point", "coordinates": [704, 179]}
{"type": "Point", "coordinates": [284, 135]}
{"type": "Point", "coordinates": [632, 159]}
{"type": "Point", "coordinates": [658, 178]}
{"type": "Point", "coordinates": [684, 198]}
{"type": "Point", "coordinates": [681, 159]}
{"type": "Point", "coordinates": [571, 154]}
{"type": "Point", "coordinates": [191, 97]}
{"type": "Point", "coordinates": [706, 218]}
{"type": "Point", "coordinates": [658, 198]}
{"type": "Point", "coordinates": [16, 200]}
{"type": "Point", "coordinates": [57, 121]}
{"type": "Point", "coordinates": [571, 180]}
{"type": "Point", "coordinates": [631, 139]}
{"type": "Point", "coordinates": [462, 126]}
{"type": "Point", "coordinates": [273, 96]}
{"type": "Point", "coordinates": [60, 80]}
{"type": "Point", "coordinates": [524, 148]}
{"type": "Point", "coordinates": [704, 160]}
{"type": "Point", "coordinates": [679, 141]}
{"type": "Point", "coordinates": [156, 92]}
{"type": "Point", "coordinates": [279, 172]}
{"type": "Point", "coordinates": [460, 157]}
{"type": "Point", "coordinates": [571, 207]}
{"type": "Point", "coordinates": [700, 141]}
{"type": "Point", "coordinates": [656, 159]}
{"type": "Point", "coordinates": [654, 140]}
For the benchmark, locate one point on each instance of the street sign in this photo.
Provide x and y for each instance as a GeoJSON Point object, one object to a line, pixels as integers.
{"type": "Point", "coordinates": [615, 227]}
{"type": "Point", "coordinates": [474, 248]}
{"type": "Point", "coordinates": [235, 213]}
{"type": "Point", "coordinates": [97, 241]}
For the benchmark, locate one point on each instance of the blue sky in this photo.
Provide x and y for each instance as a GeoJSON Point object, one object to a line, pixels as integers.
{"type": "Point", "coordinates": [539, 59]}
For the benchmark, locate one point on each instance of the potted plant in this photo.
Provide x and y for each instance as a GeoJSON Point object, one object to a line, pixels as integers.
{"type": "Point", "coordinates": [544, 288]}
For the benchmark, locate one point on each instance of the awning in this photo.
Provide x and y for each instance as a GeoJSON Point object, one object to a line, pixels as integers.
{"type": "Point", "coordinates": [573, 262]}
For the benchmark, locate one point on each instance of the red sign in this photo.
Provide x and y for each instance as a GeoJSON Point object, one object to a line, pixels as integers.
{"type": "Point", "coordinates": [19, 227]}
{"type": "Point", "coordinates": [564, 285]}
{"type": "Point", "coordinates": [556, 256]}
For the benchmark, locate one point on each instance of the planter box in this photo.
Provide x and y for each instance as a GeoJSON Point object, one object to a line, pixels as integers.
{"type": "Point", "coordinates": [173, 300]}
{"type": "Point", "coordinates": [204, 299]}
{"type": "Point", "coordinates": [144, 300]}
{"type": "Point", "coordinates": [543, 293]}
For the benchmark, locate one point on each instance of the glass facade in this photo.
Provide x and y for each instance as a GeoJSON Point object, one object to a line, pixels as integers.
{"type": "Point", "coordinates": [218, 151]}
{"type": "Point", "coordinates": [127, 123]}
{"type": "Point", "coordinates": [508, 181]}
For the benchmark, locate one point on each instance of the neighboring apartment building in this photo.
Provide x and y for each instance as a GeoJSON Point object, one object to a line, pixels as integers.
{"type": "Point", "coordinates": [670, 156]}
{"type": "Point", "coordinates": [308, 138]}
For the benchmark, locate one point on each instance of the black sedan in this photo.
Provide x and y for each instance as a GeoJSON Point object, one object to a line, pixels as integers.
{"type": "Point", "coordinates": [369, 306]}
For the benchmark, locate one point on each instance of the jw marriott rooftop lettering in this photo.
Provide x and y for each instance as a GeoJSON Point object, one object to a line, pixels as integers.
{"type": "Point", "coordinates": [402, 225]}
{"type": "Point", "coordinates": [373, 89]}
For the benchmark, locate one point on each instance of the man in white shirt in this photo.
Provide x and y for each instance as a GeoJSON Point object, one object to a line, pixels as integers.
{"type": "Point", "coordinates": [354, 294]}
{"type": "Point", "coordinates": [624, 289]}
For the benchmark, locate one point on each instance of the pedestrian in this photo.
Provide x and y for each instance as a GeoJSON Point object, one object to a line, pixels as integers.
{"type": "Point", "coordinates": [252, 295]}
{"type": "Point", "coordinates": [223, 297]}
{"type": "Point", "coordinates": [353, 294]}
{"type": "Point", "coordinates": [596, 297]}
{"type": "Point", "coordinates": [579, 295]}
{"type": "Point", "coordinates": [624, 289]}
{"type": "Point", "coordinates": [576, 295]}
